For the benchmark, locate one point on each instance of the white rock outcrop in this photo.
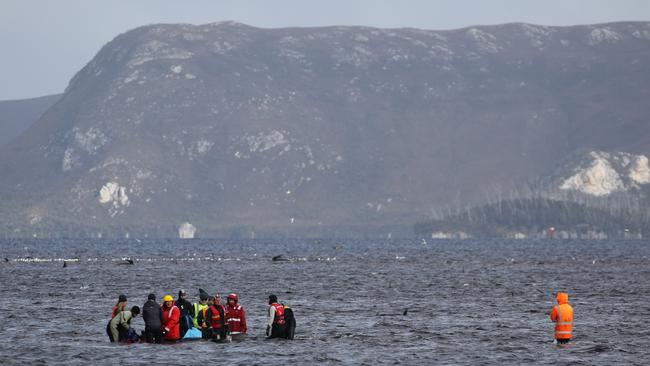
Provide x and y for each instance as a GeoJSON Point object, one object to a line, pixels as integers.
{"type": "Point", "coordinates": [69, 159]}
{"type": "Point", "coordinates": [91, 140]}
{"type": "Point", "coordinates": [600, 179]}
{"type": "Point", "coordinates": [113, 193]}
{"type": "Point", "coordinates": [186, 231]}
{"type": "Point", "coordinates": [485, 41]}
{"type": "Point", "coordinates": [640, 170]}
{"type": "Point", "coordinates": [600, 35]}
{"type": "Point", "coordinates": [608, 173]}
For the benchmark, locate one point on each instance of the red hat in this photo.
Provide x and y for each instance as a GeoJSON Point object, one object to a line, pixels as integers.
{"type": "Point", "coordinates": [233, 296]}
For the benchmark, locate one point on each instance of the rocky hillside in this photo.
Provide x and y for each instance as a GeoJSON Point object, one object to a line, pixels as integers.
{"type": "Point", "coordinates": [335, 131]}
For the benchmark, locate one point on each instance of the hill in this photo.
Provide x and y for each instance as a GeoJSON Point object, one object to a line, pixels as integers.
{"type": "Point", "coordinates": [339, 131]}
{"type": "Point", "coordinates": [16, 116]}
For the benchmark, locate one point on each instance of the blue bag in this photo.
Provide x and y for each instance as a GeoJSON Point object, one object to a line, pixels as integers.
{"type": "Point", "coordinates": [193, 333]}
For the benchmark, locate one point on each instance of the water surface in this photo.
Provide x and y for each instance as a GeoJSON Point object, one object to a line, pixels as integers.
{"type": "Point", "coordinates": [469, 302]}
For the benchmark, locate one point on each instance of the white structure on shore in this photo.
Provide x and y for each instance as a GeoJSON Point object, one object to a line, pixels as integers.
{"type": "Point", "coordinates": [186, 231]}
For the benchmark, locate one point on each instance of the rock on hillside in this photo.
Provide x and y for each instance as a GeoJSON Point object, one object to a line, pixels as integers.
{"type": "Point", "coordinates": [602, 174]}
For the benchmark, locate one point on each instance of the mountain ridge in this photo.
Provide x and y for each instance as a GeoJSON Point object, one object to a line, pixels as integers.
{"type": "Point", "coordinates": [17, 115]}
{"type": "Point", "coordinates": [241, 129]}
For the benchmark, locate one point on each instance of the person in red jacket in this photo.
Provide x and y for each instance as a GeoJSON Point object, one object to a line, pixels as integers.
{"type": "Point", "coordinates": [216, 318]}
{"type": "Point", "coordinates": [277, 326]}
{"type": "Point", "coordinates": [171, 319]}
{"type": "Point", "coordinates": [235, 317]}
{"type": "Point", "coordinates": [120, 306]}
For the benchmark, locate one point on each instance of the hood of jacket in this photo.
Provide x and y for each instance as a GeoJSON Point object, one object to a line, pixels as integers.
{"type": "Point", "coordinates": [562, 298]}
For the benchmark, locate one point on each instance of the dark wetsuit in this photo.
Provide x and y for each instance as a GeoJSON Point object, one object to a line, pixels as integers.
{"type": "Point", "coordinates": [187, 312]}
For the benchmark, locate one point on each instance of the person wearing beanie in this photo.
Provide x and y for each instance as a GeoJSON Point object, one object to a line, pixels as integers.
{"type": "Point", "coordinates": [199, 309]}
{"type": "Point", "coordinates": [120, 326]}
{"type": "Point", "coordinates": [276, 327]}
{"type": "Point", "coordinates": [153, 318]}
{"type": "Point", "coordinates": [121, 305]}
{"type": "Point", "coordinates": [216, 320]}
{"type": "Point", "coordinates": [185, 308]}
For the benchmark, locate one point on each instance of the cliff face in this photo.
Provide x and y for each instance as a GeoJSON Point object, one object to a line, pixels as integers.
{"type": "Point", "coordinates": [319, 131]}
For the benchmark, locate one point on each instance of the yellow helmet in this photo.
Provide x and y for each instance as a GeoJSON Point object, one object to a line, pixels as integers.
{"type": "Point", "coordinates": [168, 298]}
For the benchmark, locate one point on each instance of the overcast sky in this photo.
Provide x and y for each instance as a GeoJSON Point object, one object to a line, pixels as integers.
{"type": "Point", "coordinates": [43, 43]}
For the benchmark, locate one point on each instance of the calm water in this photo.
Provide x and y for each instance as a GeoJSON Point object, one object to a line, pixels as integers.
{"type": "Point", "coordinates": [469, 302]}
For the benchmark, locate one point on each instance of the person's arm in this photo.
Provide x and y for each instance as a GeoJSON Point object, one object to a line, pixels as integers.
{"type": "Point", "coordinates": [224, 321]}
{"type": "Point", "coordinates": [125, 316]}
{"type": "Point", "coordinates": [166, 327]}
{"type": "Point", "coordinates": [174, 319]}
{"type": "Point", "coordinates": [195, 320]}
{"type": "Point", "coordinates": [271, 319]}
{"type": "Point", "coordinates": [271, 315]}
{"type": "Point", "coordinates": [554, 314]}
{"type": "Point", "coordinates": [208, 315]}
{"type": "Point", "coordinates": [243, 321]}
{"type": "Point", "coordinates": [145, 314]}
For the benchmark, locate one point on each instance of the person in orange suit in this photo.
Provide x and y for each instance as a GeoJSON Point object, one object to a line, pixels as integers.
{"type": "Point", "coordinates": [562, 316]}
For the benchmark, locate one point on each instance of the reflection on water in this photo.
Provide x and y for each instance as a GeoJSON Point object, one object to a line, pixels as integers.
{"type": "Point", "coordinates": [465, 301]}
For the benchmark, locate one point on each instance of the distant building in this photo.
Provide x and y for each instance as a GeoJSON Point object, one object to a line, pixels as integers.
{"type": "Point", "coordinates": [186, 231]}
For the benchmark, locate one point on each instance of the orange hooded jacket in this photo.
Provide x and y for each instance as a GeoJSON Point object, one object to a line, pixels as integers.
{"type": "Point", "coordinates": [562, 315]}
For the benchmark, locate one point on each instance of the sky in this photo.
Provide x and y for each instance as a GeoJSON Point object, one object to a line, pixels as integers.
{"type": "Point", "coordinates": [43, 43]}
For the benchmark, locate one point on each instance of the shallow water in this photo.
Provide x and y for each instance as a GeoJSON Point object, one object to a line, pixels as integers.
{"type": "Point", "coordinates": [469, 302]}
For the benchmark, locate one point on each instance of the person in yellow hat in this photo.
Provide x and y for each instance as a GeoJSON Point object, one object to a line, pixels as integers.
{"type": "Point", "coordinates": [171, 319]}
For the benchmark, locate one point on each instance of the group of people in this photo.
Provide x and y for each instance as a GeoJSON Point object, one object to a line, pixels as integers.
{"type": "Point", "coordinates": [208, 319]}
{"type": "Point", "coordinates": [212, 320]}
